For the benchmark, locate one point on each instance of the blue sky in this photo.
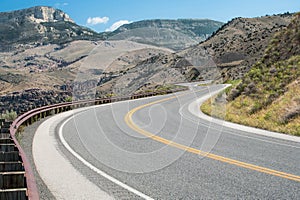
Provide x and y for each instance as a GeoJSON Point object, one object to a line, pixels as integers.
{"type": "Point", "coordinates": [102, 15]}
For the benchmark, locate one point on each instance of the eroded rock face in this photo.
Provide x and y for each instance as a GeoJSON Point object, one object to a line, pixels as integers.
{"type": "Point", "coordinates": [35, 14]}
{"type": "Point", "coordinates": [48, 14]}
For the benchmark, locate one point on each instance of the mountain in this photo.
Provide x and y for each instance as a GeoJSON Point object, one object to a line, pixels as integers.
{"type": "Point", "coordinates": [46, 52]}
{"type": "Point", "coordinates": [268, 96]}
{"type": "Point", "coordinates": [173, 34]}
{"type": "Point", "coordinates": [40, 25]}
{"type": "Point", "coordinates": [235, 47]}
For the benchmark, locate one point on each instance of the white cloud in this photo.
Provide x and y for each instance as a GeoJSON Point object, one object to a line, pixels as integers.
{"type": "Point", "coordinates": [97, 20]}
{"type": "Point", "coordinates": [60, 5]}
{"type": "Point", "coordinates": [117, 24]}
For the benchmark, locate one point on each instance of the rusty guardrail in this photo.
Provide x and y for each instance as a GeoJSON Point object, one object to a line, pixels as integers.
{"type": "Point", "coordinates": [41, 112]}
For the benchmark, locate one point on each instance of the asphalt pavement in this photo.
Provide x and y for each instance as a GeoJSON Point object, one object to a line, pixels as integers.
{"type": "Point", "coordinates": [156, 148]}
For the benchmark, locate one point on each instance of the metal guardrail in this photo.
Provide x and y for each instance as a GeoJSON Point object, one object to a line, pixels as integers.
{"type": "Point", "coordinates": [29, 118]}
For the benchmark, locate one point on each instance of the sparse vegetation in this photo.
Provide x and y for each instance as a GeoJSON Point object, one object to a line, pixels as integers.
{"type": "Point", "coordinates": [268, 95]}
{"type": "Point", "coordinates": [68, 99]}
{"type": "Point", "coordinates": [240, 43]}
{"type": "Point", "coordinates": [282, 115]}
{"type": "Point", "coordinates": [9, 115]}
{"type": "Point", "coordinates": [13, 78]}
{"type": "Point", "coordinates": [233, 83]}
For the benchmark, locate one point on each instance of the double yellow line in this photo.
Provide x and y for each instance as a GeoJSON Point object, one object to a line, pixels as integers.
{"type": "Point", "coordinates": [132, 125]}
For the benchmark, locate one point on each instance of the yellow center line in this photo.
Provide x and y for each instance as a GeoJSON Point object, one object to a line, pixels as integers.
{"type": "Point", "coordinates": [132, 125]}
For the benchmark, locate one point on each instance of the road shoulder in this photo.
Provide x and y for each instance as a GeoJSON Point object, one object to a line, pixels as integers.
{"type": "Point", "coordinates": [194, 108]}
{"type": "Point", "coordinates": [47, 156]}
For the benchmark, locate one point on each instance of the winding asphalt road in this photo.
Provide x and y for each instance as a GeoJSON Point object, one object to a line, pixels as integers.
{"type": "Point", "coordinates": [156, 148]}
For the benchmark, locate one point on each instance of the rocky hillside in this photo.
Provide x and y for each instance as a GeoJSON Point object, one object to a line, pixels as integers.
{"type": "Point", "coordinates": [173, 34]}
{"type": "Point", "coordinates": [40, 25]}
{"type": "Point", "coordinates": [77, 67]}
{"type": "Point", "coordinates": [149, 76]}
{"type": "Point", "coordinates": [278, 67]}
{"type": "Point", "coordinates": [23, 101]}
{"type": "Point", "coordinates": [269, 94]}
{"type": "Point", "coordinates": [236, 46]}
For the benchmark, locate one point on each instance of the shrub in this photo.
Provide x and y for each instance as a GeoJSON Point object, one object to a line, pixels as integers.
{"type": "Point", "coordinates": [68, 99]}
{"type": "Point", "coordinates": [10, 116]}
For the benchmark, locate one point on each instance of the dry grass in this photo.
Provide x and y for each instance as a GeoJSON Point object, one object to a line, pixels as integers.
{"type": "Point", "coordinates": [272, 117]}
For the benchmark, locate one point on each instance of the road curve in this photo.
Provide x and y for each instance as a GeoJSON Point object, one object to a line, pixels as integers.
{"type": "Point", "coordinates": [60, 176]}
{"type": "Point", "coordinates": [156, 148]}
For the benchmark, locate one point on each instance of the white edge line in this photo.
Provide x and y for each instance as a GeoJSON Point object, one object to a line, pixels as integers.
{"type": "Point", "coordinates": [236, 134]}
{"type": "Point", "coordinates": [95, 169]}
{"type": "Point", "coordinates": [198, 113]}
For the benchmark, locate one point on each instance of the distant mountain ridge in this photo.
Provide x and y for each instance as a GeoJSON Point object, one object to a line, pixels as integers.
{"type": "Point", "coordinates": [174, 34]}
{"type": "Point", "coordinates": [43, 25]}
{"type": "Point", "coordinates": [40, 25]}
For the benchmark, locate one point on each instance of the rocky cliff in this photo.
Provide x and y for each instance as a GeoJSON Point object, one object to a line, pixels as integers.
{"type": "Point", "coordinates": [39, 25]}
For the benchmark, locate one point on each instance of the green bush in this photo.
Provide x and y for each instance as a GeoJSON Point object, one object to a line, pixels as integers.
{"type": "Point", "coordinates": [9, 115]}
{"type": "Point", "coordinates": [68, 99]}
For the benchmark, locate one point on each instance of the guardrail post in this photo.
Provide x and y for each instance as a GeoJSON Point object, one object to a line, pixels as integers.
{"type": "Point", "coordinates": [2, 122]}
{"type": "Point", "coordinates": [28, 121]}
{"type": "Point", "coordinates": [12, 175]}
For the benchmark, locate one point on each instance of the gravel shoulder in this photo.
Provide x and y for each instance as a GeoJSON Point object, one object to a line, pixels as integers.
{"type": "Point", "coordinates": [25, 141]}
